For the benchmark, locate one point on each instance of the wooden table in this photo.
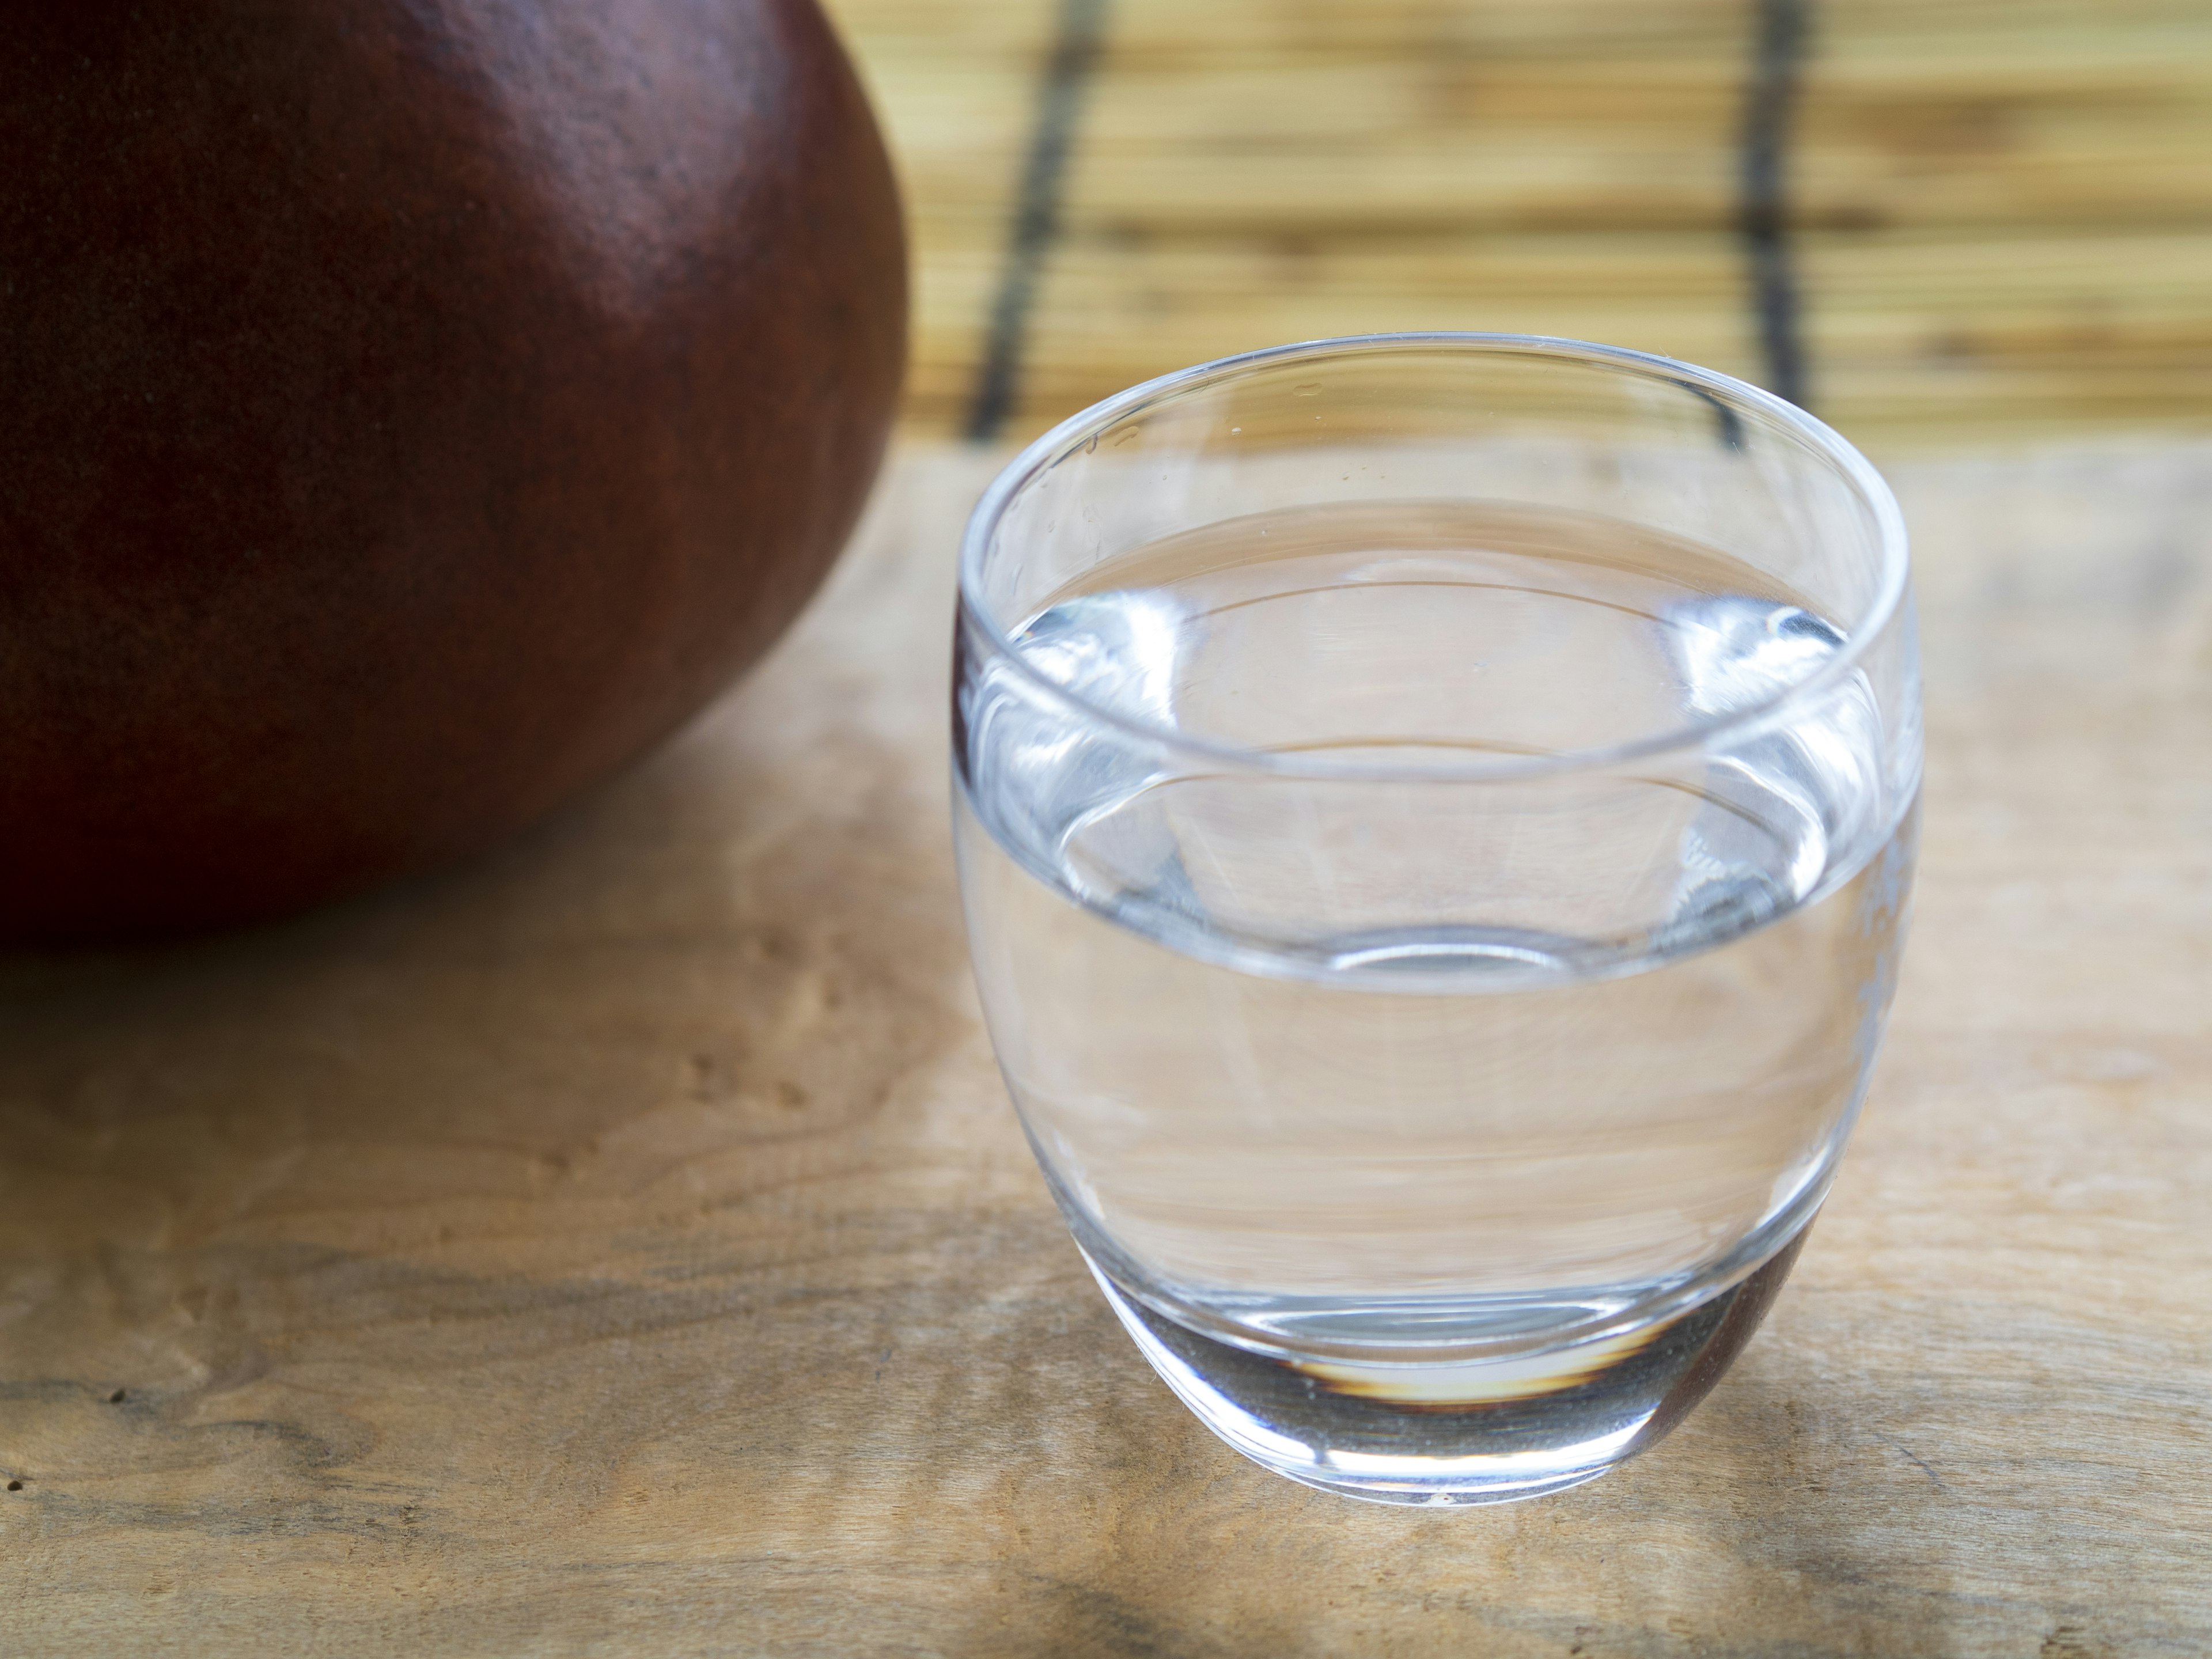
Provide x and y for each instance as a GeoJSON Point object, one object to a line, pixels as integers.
{"type": "Point", "coordinates": [625, 1245]}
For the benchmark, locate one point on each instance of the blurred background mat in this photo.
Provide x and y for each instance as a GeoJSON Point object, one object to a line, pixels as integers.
{"type": "Point", "coordinates": [1938, 223]}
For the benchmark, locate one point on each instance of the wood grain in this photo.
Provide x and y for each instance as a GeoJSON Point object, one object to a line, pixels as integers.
{"type": "Point", "coordinates": [625, 1245]}
{"type": "Point", "coordinates": [2004, 208]}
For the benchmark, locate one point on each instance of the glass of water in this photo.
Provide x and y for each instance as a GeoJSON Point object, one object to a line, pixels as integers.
{"type": "Point", "coordinates": [1436, 817]}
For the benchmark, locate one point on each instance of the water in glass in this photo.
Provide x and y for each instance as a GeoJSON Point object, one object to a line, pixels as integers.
{"type": "Point", "coordinates": [1438, 1128]}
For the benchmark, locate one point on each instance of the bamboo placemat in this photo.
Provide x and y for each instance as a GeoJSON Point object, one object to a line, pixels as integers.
{"type": "Point", "coordinates": [1935, 221]}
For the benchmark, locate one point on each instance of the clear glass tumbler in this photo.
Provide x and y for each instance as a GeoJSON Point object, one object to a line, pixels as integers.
{"type": "Point", "coordinates": [1436, 818]}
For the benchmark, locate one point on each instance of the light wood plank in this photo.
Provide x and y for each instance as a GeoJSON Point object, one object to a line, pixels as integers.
{"type": "Point", "coordinates": [1114, 310]}
{"type": "Point", "coordinates": [1932, 338]}
{"type": "Point", "coordinates": [954, 84]}
{"type": "Point", "coordinates": [625, 1245]}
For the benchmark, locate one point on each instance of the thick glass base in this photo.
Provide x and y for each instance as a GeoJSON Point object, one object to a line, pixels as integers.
{"type": "Point", "coordinates": [1466, 1433]}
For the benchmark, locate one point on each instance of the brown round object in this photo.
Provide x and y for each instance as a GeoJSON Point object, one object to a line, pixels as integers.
{"type": "Point", "coordinates": [408, 411]}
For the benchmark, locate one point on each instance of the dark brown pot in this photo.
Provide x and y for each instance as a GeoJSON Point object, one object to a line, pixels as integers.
{"type": "Point", "coordinates": [408, 411]}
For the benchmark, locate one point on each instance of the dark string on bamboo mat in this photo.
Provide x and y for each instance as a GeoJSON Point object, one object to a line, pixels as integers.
{"type": "Point", "coordinates": [1075, 49]}
{"type": "Point", "coordinates": [1770, 102]}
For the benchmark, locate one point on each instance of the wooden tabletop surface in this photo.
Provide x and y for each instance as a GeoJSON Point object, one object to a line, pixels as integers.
{"type": "Point", "coordinates": [624, 1245]}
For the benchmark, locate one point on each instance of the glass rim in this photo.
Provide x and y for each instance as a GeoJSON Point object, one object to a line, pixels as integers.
{"type": "Point", "coordinates": [1078, 429]}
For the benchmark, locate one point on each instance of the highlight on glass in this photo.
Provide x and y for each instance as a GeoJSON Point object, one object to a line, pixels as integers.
{"type": "Point", "coordinates": [1435, 819]}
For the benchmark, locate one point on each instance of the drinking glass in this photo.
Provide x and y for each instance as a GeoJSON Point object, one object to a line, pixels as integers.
{"type": "Point", "coordinates": [1436, 817]}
